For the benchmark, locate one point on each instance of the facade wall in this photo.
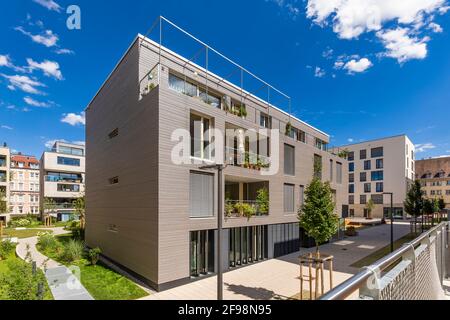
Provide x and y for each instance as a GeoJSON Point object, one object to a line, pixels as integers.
{"type": "Point", "coordinates": [434, 175]}
{"type": "Point", "coordinates": [4, 181]}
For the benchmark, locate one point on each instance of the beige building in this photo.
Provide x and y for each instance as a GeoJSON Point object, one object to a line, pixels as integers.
{"type": "Point", "coordinates": [378, 166]}
{"type": "Point", "coordinates": [434, 175]}
{"type": "Point", "coordinates": [24, 185]}
{"type": "Point", "coordinates": [156, 214]}
{"type": "Point", "coordinates": [62, 178]}
{"type": "Point", "coordinates": [4, 182]}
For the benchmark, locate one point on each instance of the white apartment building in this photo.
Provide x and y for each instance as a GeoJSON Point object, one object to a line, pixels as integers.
{"type": "Point", "coordinates": [62, 175]}
{"type": "Point", "coordinates": [377, 167]}
{"type": "Point", "coordinates": [4, 186]}
{"type": "Point", "coordinates": [24, 185]}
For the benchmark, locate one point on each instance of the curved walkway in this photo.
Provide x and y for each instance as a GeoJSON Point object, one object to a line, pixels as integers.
{"type": "Point", "coordinates": [61, 280]}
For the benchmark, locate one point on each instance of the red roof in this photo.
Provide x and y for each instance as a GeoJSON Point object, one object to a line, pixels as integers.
{"type": "Point", "coordinates": [27, 160]}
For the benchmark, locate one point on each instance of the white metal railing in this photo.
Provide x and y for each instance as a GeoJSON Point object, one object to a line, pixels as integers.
{"type": "Point", "coordinates": [150, 80]}
{"type": "Point", "coordinates": [414, 271]}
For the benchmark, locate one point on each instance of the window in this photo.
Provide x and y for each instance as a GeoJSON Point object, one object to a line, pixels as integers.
{"type": "Point", "coordinates": [289, 198]}
{"type": "Point", "coordinates": [376, 152]}
{"type": "Point", "coordinates": [367, 165]}
{"type": "Point", "coordinates": [380, 187]}
{"type": "Point", "coordinates": [265, 121]}
{"type": "Point", "coordinates": [68, 161]}
{"type": "Point", "coordinates": [448, 182]}
{"type": "Point", "coordinates": [113, 133]}
{"type": "Point", "coordinates": [201, 195]}
{"type": "Point", "coordinates": [339, 172]}
{"type": "Point", "coordinates": [363, 154]}
{"type": "Point", "coordinates": [289, 160]}
{"type": "Point", "coordinates": [351, 156]}
{"type": "Point", "coordinates": [379, 164]}
{"type": "Point", "coordinates": [201, 252]}
{"type": "Point", "coordinates": [247, 245]}
{"type": "Point", "coordinates": [377, 175]}
{"type": "Point", "coordinates": [210, 98]}
{"type": "Point", "coordinates": [447, 192]}
{"type": "Point", "coordinates": [439, 192]}
{"type": "Point", "coordinates": [362, 176]}
{"type": "Point", "coordinates": [377, 198]}
{"type": "Point", "coordinates": [351, 167]}
{"type": "Point", "coordinates": [351, 177]}
{"type": "Point", "coordinates": [351, 188]}
{"type": "Point", "coordinates": [179, 85]}
{"type": "Point", "coordinates": [362, 199]}
{"type": "Point", "coordinates": [200, 137]}
{"type": "Point", "coordinates": [433, 192]}
{"type": "Point", "coordinates": [351, 199]}
{"type": "Point", "coordinates": [317, 166]}
{"type": "Point", "coordinates": [367, 188]}
{"type": "Point", "coordinates": [71, 150]}
{"type": "Point", "coordinates": [114, 180]}
{"type": "Point", "coordinates": [68, 187]}
{"type": "Point", "coordinates": [331, 170]}
{"type": "Point", "coordinates": [302, 195]}
{"type": "Point", "coordinates": [296, 134]}
{"type": "Point", "coordinates": [320, 144]}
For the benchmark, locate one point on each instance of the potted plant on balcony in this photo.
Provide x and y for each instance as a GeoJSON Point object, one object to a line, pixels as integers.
{"type": "Point", "coordinates": [288, 128]}
{"type": "Point", "coordinates": [262, 201]}
{"type": "Point", "coordinates": [229, 208]}
{"type": "Point", "coordinates": [242, 112]}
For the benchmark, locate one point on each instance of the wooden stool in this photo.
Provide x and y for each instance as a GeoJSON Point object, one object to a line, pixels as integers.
{"type": "Point", "coordinates": [317, 261]}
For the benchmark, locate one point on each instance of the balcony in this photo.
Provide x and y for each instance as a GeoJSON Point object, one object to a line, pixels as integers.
{"type": "Point", "coordinates": [63, 179]}
{"type": "Point", "coordinates": [246, 199]}
{"type": "Point", "coordinates": [246, 159]}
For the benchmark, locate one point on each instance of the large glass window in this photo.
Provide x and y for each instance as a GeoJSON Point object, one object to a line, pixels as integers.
{"type": "Point", "coordinates": [362, 176]}
{"type": "Point", "coordinates": [377, 198]}
{"type": "Point", "coordinates": [379, 163]}
{"type": "Point", "coordinates": [289, 198]}
{"type": "Point", "coordinates": [210, 98]}
{"type": "Point", "coordinates": [68, 161]}
{"type": "Point", "coordinates": [247, 245]}
{"type": "Point", "coordinates": [362, 199]}
{"type": "Point", "coordinates": [182, 86]}
{"type": "Point", "coordinates": [363, 154]}
{"type": "Point", "coordinates": [201, 252]}
{"type": "Point", "coordinates": [265, 121]}
{"type": "Point", "coordinates": [351, 156]}
{"type": "Point", "coordinates": [201, 195]}
{"type": "Point", "coordinates": [367, 188]}
{"type": "Point", "coordinates": [377, 175]}
{"type": "Point", "coordinates": [68, 187]}
{"type": "Point", "coordinates": [200, 137]}
{"type": "Point", "coordinates": [376, 152]}
{"type": "Point", "coordinates": [351, 167]}
{"type": "Point", "coordinates": [320, 144]}
{"type": "Point", "coordinates": [351, 188]}
{"type": "Point", "coordinates": [367, 165]}
{"type": "Point", "coordinates": [66, 177]}
{"type": "Point", "coordinates": [380, 187]}
{"type": "Point", "coordinates": [71, 150]}
{"type": "Point", "coordinates": [289, 160]}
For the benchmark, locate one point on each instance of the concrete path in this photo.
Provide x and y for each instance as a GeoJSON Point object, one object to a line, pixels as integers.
{"type": "Point", "coordinates": [63, 283]}
{"type": "Point", "coordinates": [279, 278]}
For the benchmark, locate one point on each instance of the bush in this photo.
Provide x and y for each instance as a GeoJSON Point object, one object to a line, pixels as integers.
{"type": "Point", "coordinates": [351, 231]}
{"type": "Point", "coordinates": [6, 248]}
{"type": "Point", "coordinates": [47, 240]}
{"type": "Point", "coordinates": [75, 227]}
{"type": "Point", "coordinates": [73, 250]}
{"type": "Point", "coordinates": [94, 255]}
{"type": "Point", "coordinates": [20, 223]}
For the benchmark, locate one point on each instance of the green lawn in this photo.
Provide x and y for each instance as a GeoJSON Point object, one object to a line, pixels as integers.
{"type": "Point", "coordinates": [101, 282]}
{"type": "Point", "coordinates": [27, 233]}
{"type": "Point", "coordinates": [4, 269]}
{"type": "Point", "coordinates": [377, 255]}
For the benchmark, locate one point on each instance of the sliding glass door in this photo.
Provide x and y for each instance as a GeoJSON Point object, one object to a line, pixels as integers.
{"type": "Point", "coordinates": [247, 245]}
{"type": "Point", "coordinates": [201, 252]}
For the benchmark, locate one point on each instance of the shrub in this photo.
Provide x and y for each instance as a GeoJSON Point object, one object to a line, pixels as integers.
{"type": "Point", "coordinates": [94, 255]}
{"type": "Point", "coordinates": [351, 231]}
{"type": "Point", "coordinates": [6, 248]}
{"type": "Point", "coordinates": [73, 250]}
{"type": "Point", "coordinates": [75, 227]}
{"type": "Point", "coordinates": [47, 240]}
{"type": "Point", "coordinates": [20, 223]}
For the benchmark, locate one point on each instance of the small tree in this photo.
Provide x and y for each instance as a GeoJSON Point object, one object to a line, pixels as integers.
{"type": "Point", "coordinates": [414, 201]}
{"type": "Point", "coordinates": [317, 215]}
{"type": "Point", "coordinates": [3, 206]}
{"type": "Point", "coordinates": [441, 204]}
{"type": "Point", "coordinates": [369, 206]}
{"type": "Point", "coordinates": [262, 200]}
{"type": "Point", "coordinates": [80, 209]}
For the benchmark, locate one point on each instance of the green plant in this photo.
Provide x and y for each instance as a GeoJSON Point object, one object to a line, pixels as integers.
{"type": "Point", "coordinates": [20, 223]}
{"type": "Point", "coordinates": [242, 111]}
{"type": "Point", "coordinates": [6, 248]}
{"type": "Point", "coordinates": [73, 250]}
{"type": "Point", "coordinates": [343, 154]}
{"type": "Point", "coordinates": [369, 206]}
{"type": "Point", "coordinates": [3, 205]}
{"type": "Point", "coordinates": [414, 201]}
{"type": "Point", "coordinates": [94, 255]}
{"type": "Point", "coordinates": [288, 128]}
{"type": "Point", "coordinates": [229, 208]}
{"type": "Point", "coordinates": [80, 209]}
{"type": "Point", "coordinates": [245, 209]}
{"type": "Point", "coordinates": [317, 215]}
{"type": "Point", "coordinates": [75, 227]}
{"type": "Point", "coordinates": [47, 241]}
{"type": "Point", "coordinates": [262, 200]}
{"type": "Point", "coordinates": [441, 204]}
{"type": "Point", "coordinates": [351, 231]}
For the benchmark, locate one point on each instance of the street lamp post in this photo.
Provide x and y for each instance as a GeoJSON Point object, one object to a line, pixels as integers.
{"type": "Point", "coordinates": [392, 218]}
{"type": "Point", "coordinates": [219, 168]}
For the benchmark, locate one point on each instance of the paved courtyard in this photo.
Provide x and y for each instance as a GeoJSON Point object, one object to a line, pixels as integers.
{"type": "Point", "coordinates": [279, 278]}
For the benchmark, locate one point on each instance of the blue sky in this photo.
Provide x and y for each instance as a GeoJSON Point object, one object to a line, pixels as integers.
{"type": "Point", "coordinates": [357, 70]}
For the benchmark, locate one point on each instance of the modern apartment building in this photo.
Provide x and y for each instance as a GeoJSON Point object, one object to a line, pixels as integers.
{"type": "Point", "coordinates": [24, 185]}
{"type": "Point", "coordinates": [434, 175]}
{"type": "Point", "coordinates": [62, 178]}
{"type": "Point", "coordinates": [157, 216]}
{"type": "Point", "coordinates": [378, 166]}
{"type": "Point", "coordinates": [4, 183]}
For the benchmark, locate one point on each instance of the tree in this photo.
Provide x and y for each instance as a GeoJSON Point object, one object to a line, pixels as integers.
{"type": "Point", "coordinates": [441, 204]}
{"type": "Point", "coordinates": [80, 209]}
{"type": "Point", "coordinates": [369, 206]}
{"type": "Point", "coordinates": [3, 206]}
{"type": "Point", "coordinates": [262, 200]}
{"type": "Point", "coordinates": [414, 201]}
{"type": "Point", "coordinates": [317, 215]}
{"type": "Point", "coordinates": [428, 206]}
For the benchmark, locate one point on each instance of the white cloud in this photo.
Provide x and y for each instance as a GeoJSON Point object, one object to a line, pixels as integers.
{"type": "Point", "coordinates": [319, 72]}
{"type": "Point", "coordinates": [4, 60]}
{"type": "Point", "coordinates": [24, 83]}
{"type": "Point", "coordinates": [401, 46]}
{"type": "Point", "coordinates": [49, 4]}
{"type": "Point", "coordinates": [422, 147]}
{"type": "Point", "coordinates": [50, 143]}
{"type": "Point", "coordinates": [435, 27]}
{"type": "Point", "coordinates": [354, 66]}
{"type": "Point", "coordinates": [50, 68]}
{"type": "Point", "coordinates": [351, 140]}
{"type": "Point", "coordinates": [47, 38]}
{"type": "Point", "coordinates": [64, 51]}
{"type": "Point", "coordinates": [30, 101]}
{"type": "Point", "coordinates": [74, 119]}
{"type": "Point", "coordinates": [352, 18]}
{"type": "Point", "coordinates": [328, 53]}
{"type": "Point", "coordinates": [6, 127]}
{"type": "Point", "coordinates": [339, 64]}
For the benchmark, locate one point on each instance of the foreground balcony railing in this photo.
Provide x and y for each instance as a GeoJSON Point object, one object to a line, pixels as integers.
{"type": "Point", "coordinates": [244, 208]}
{"type": "Point", "coordinates": [245, 159]}
{"type": "Point", "coordinates": [413, 272]}
{"type": "Point", "coordinates": [59, 179]}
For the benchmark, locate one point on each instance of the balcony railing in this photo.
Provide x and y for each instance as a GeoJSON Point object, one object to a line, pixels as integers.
{"type": "Point", "coordinates": [60, 179]}
{"type": "Point", "coordinates": [243, 208]}
{"type": "Point", "coordinates": [245, 159]}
